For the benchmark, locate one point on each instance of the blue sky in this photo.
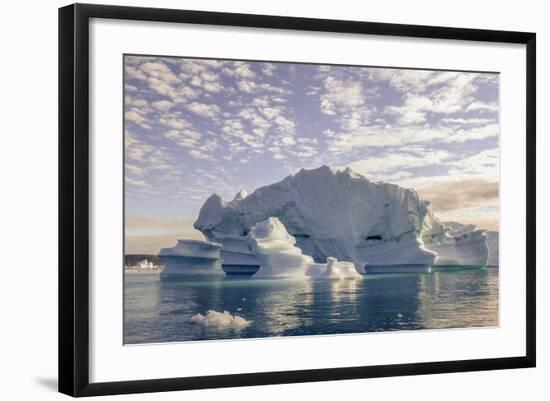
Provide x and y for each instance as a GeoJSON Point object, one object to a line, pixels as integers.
{"type": "Point", "coordinates": [194, 127]}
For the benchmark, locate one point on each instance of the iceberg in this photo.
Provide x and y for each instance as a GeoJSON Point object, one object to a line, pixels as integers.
{"type": "Point", "coordinates": [340, 214]}
{"type": "Point", "coordinates": [492, 244]}
{"type": "Point", "coordinates": [192, 257]}
{"type": "Point", "coordinates": [459, 244]}
{"type": "Point", "coordinates": [334, 270]}
{"type": "Point", "coordinates": [235, 256]}
{"type": "Point", "coordinates": [278, 256]}
{"type": "Point", "coordinates": [193, 248]}
{"type": "Point", "coordinates": [274, 248]}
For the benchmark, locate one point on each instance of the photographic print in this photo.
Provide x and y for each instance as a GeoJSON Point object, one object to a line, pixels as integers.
{"type": "Point", "coordinates": [266, 199]}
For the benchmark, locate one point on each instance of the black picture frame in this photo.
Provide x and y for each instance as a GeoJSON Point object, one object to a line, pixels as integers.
{"type": "Point", "coordinates": [74, 198]}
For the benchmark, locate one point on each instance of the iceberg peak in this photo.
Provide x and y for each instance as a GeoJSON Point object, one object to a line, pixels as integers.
{"type": "Point", "coordinates": [240, 195]}
{"type": "Point", "coordinates": [211, 213]}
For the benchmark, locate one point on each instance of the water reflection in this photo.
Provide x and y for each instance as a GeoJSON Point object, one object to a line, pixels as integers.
{"type": "Point", "coordinates": [161, 310]}
{"type": "Point", "coordinates": [283, 306]}
{"type": "Point", "coordinates": [141, 303]}
{"type": "Point", "coordinates": [459, 299]}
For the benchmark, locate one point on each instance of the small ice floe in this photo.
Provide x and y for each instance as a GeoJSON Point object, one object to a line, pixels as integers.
{"type": "Point", "coordinates": [221, 320]}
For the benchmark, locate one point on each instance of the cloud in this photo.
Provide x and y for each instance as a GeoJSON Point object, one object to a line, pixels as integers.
{"type": "Point", "coordinates": [187, 138]}
{"type": "Point", "coordinates": [417, 81]}
{"type": "Point", "coordinates": [134, 169]}
{"type": "Point", "coordinates": [213, 87]}
{"type": "Point", "coordinates": [136, 182]}
{"type": "Point", "coordinates": [134, 73]}
{"type": "Point", "coordinates": [159, 77]}
{"type": "Point", "coordinates": [484, 163]}
{"type": "Point", "coordinates": [268, 69]}
{"type": "Point", "coordinates": [397, 160]}
{"type": "Point", "coordinates": [468, 201]}
{"type": "Point", "coordinates": [453, 97]}
{"type": "Point", "coordinates": [477, 133]}
{"type": "Point", "coordinates": [243, 70]}
{"type": "Point", "coordinates": [480, 106]}
{"type": "Point", "coordinates": [163, 105]}
{"type": "Point", "coordinates": [467, 121]}
{"type": "Point", "coordinates": [375, 136]}
{"type": "Point", "coordinates": [204, 110]}
{"type": "Point", "coordinates": [288, 140]}
{"type": "Point", "coordinates": [174, 121]}
{"type": "Point", "coordinates": [137, 117]}
{"type": "Point", "coordinates": [452, 195]}
{"type": "Point", "coordinates": [382, 136]}
{"type": "Point", "coordinates": [247, 86]}
{"type": "Point", "coordinates": [340, 95]}
{"type": "Point", "coordinates": [201, 154]}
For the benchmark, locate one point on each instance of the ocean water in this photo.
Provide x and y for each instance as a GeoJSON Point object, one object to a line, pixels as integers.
{"type": "Point", "coordinates": [160, 309]}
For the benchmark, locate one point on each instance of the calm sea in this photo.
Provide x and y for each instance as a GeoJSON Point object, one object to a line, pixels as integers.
{"type": "Point", "coordinates": [160, 309]}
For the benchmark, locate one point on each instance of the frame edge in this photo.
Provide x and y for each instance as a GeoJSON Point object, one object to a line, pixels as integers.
{"type": "Point", "coordinates": [531, 199]}
{"type": "Point", "coordinates": [73, 194]}
{"type": "Point", "coordinates": [66, 306]}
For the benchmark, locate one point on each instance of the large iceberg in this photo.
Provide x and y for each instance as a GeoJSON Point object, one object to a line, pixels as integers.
{"type": "Point", "coordinates": [340, 214]}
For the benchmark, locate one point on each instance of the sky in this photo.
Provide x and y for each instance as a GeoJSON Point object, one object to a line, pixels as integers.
{"type": "Point", "coordinates": [194, 127]}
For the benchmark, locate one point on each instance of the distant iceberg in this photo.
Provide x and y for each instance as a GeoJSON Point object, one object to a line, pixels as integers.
{"type": "Point", "coordinates": [492, 244]}
{"type": "Point", "coordinates": [460, 244]}
{"type": "Point", "coordinates": [341, 214]}
{"type": "Point", "coordinates": [143, 265]}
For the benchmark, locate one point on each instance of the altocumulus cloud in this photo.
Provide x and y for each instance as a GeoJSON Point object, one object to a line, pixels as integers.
{"type": "Point", "coordinates": [199, 126]}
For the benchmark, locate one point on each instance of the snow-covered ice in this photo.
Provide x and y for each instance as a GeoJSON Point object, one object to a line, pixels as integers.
{"type": "Point", "coordinates": [193, 248]}
{"type": "Point", "coordinates": [334, 270]}
{"type": "Point", "coordinates": [278, 256]}
{"type": "Point", "coordinates": [274, 247]}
